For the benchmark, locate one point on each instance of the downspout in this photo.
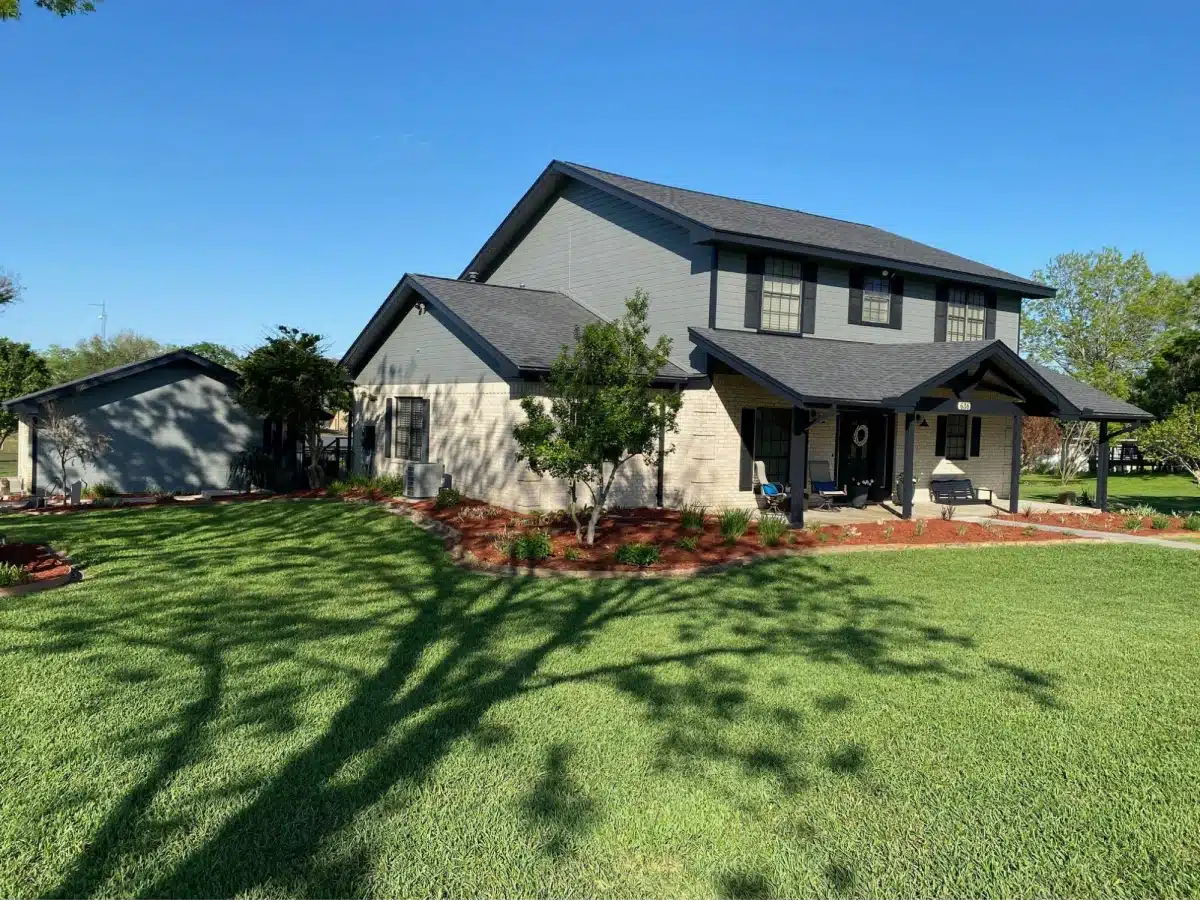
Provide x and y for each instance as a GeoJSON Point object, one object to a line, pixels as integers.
{"type": "Point", "coordinates": [33, 452]}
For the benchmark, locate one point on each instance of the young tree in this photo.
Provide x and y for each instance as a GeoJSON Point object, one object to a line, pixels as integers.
{"type": "Point", "coordinates": [1111, 316]}
{"type": "Point", "coordinates": [289, 379]}
{"type": "Point", "coordinates": [1174, 374]}
{"type": "Point", "coordinates": [11, 9]}
{"type": "Point", "coordinates": [1176, 439]}
{"type": "Point", "coordinates": [1079, 441]}
{"type": "Point", "coordinates": [96, 354]}
{"type": "Point", "coordinates": [22, 370]}
{"type": "Point", "coordinates": [1041, 437]}
{"type": "Point", "coordinates": [602, 409]}
{"type": "Point", "coordinates": [73, 441]}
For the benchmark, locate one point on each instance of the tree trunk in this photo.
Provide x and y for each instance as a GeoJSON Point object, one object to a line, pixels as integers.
{"type": "Point", "coordinates": [574, 509]}
{"type": "Point", "coordinates": [316, 475]}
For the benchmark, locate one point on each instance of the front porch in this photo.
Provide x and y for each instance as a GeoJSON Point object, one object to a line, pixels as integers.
{"type": "Point", "coordinates": [888, 510]}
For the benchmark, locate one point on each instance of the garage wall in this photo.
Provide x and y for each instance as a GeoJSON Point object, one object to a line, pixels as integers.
{"type": "Point", "coordinates": [172, 427]}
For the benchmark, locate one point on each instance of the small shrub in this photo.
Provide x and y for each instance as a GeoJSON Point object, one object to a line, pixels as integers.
{"type": "Point", "coordinates": [1027, 511]}
{"type": "Point", "coordinates": [1086, 499]}
{"type": "Point", "coordinates": [532, 546]}
{"type": "Point", "coordinates": [100, 491]}
{"type": "Point", "coordinates": [962, 530]}
{"type": "Point", "coordinates": [1159, 521]}
{"type": "Point", "coordinates": [692, 517]}
{"type": "Point", "coordinates": [11, 574]}
{"type": "Point", "coordinates": [948, 511]}
{"type": "Point", "coordinates": [1029, 531]}
{"type": "Point", "coordinates": [1192, 523]}
{"type": "Point", "coordinates": [850, 532]}
{"type": "Point", "coordinates": [504, 542]}
{"type": "Point", "coordinates": [1142, 510]}
{"type": "Point", "coordinates": [687, 543]}
{"type": "Point", "coordinates": [733, 524]}
{"type": "Point", "coordinates": [571, 553]}
{"type": "Point", "coordinates": [1066, 497]}
{"type": "Point", "coordinates": [887, 532]}
{"type": "Point", "coordinates": [389, 485]}
{"type": "Point", "coordinates": [1133, 523]}
{"type": "Point", "coordinates": [822, 535]}
{"type": "Point", "coordinates": [337, 487]}
{"type": "Point", "coordinates": [919, 527]}
{"type": "Point", "coordinates": [637, 554]}
{"type": "Point", "coordinates": [447, 497]}
{"type": "Point", "coordinates": [771, 530]}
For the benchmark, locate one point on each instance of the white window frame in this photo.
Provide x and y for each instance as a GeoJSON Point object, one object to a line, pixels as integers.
{"type": "Point", "coordinates": [782, 295]}
{"type": "Point", "coordinates": [966, 314]}
{"type": "Point", "coordinates": [876, 300]}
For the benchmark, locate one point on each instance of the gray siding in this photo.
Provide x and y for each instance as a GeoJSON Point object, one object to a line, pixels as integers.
{"type": "Point", "coordinates": [422, 350]}
{"type": "Point", "coordinates": [171, 428]}
{"type": "Point", "coordinates": [598, 249]}
{"type": "Point", "coordinates": [833, 306]}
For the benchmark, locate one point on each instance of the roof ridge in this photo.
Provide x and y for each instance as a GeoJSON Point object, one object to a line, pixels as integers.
{"type": "Point", "coordinates": [463, 281]}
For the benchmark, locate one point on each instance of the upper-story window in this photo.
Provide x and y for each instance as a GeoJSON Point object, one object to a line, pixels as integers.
{"type": "Point", "coordinates": [877, 300]}
{"type": "Point", "coordinates": [966, 315]}
{"type": "Point", "coordinates": [783, 287]}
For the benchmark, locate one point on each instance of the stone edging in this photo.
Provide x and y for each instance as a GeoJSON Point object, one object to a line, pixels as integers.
{"type": "Point", "coordinates": [74, 575]}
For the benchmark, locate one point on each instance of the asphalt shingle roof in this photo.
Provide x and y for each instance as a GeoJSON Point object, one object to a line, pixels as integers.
{"type": "Point", "coordinates": [760, 220]}
{"type": "Point", "coordinates": [820, 369]}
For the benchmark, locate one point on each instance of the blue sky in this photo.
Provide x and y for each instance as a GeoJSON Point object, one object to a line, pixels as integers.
{"type": "Point", "coordinates": [214, 168]}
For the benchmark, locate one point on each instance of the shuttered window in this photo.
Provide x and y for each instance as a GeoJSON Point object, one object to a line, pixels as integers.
{"type": "Point", "coordinates": [409, 425]}
{"type": "Point", "coordinates": [877, 300]}
{"type": "Point", "coordinates": [956, 437]}
{"type": "Point", "coordinates": [783, 287]}
{"type": "Point", "coordinates": [966, 315]}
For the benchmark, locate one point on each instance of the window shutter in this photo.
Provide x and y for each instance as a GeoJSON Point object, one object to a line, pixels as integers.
{"type": "Point", "coordinates": [388, 431]}
{"type": "Point", "coordinates": [746, 475]}
{"type": "Point", "coordinates": [939, 315]}
{"type": "Point", "coordinates": [976, 434]}
{"type": "Point", "coordinates": [897, 312]}
{"type": "Point", "coordinates": [808, 312]}
{"type": "Point", "coordinates": [990, 322]}
{"type": "Point", "coordinates": [939, 447]}
{"type": "Point", "coordinates": [754, 286]}
{"type": "Point", "coordinates": [856, 289]}
{"type": "Point", "coordinates": [424, 406]}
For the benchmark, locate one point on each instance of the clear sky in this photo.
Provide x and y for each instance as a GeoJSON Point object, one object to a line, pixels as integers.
{"type": "Point", "coordinates": [212, 168]}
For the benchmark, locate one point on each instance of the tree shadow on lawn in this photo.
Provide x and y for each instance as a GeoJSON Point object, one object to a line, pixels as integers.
{"type": "Point", "coordinates": [454, 646]}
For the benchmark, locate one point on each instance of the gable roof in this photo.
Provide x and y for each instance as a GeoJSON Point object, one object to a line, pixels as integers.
{"type": "Point", "coordinates": [714, 219]}
{"type": "Point", "coordinates": [517, 330]}
{"type": "Point", "coordinates": [36, 398]}
{"type": "Point", "coordinates": [822, 370]}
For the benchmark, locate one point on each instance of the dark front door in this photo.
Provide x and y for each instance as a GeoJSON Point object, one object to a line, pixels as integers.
{"type": "Point", "coordinates": [864, 455]}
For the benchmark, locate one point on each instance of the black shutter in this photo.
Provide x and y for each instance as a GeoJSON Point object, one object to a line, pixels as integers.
{"type": "Point", "coordinates": [856, 289]}
{"type": "Point", "coordinates": [976, 434]}
{"type": "Point", "coordinates": [388, 431]}
{"type": "Point", "coordinates": [939, 447]}
{"type": "Point", "coordinates": [754, 282]}
{"type": "Point", "coordinates": [897, 313]}
{"type": "Point", "coordinates": [424, 408]}
{"type": "Point", "coordinates": [939, 315]}
{"type": "Point", "coordinates": [746, 474]}
{"type": "Point", "coordinates": [990, 321]}
{"type": "Point", "coordinates": [808, 311]}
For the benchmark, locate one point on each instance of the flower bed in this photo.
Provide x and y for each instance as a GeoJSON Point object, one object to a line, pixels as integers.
{"type": "Point", "coordinates": [1130, 522]}
{"type": "Point", "coordinates": [38, 563]}
{"type": "Point", "coordinates": [489, 534]}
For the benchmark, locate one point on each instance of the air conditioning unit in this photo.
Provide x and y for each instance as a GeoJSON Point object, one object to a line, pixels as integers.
{"type": "Point", "coordinates": [423, 479]}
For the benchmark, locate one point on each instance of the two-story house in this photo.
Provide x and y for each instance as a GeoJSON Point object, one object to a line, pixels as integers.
{"type": "Point", "coordinates": [796, 338]}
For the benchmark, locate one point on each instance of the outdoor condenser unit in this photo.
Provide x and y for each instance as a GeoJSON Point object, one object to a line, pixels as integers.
{"type": "Point", "coordinates": [423, 479]}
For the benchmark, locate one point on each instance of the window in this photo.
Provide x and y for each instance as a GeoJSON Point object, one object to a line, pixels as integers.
{"type": "Point", "coordinates": [408, 428]}
{"type": "Point", "coordinates": [966, 315]}
{"type": "Point", "coordinates": [956, 437]}
{"type": "Point", "coordinates": [877, 300]}
{"type": "Point", "coordinates": [783, 287]}
{"type": "Point", "coordinates": [775, 442]}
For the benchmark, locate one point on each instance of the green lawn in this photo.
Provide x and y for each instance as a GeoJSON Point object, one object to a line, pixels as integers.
{"type": "Point", "coordinates": [1168, 492]}
{"type": "Point", "coordinates": [8, 457]}
{"type": "Point", "coordinates": [306, 699]}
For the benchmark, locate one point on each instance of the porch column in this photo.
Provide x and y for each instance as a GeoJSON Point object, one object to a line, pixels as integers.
{"type": "Point", "coordinates": [1102, 469]}
{"type": "Point", "coordinates": [798, 466]}
{"type": "Point", "coordinates": [1014, 479]}
{"type": "Point", "coordinates": [910, 453]}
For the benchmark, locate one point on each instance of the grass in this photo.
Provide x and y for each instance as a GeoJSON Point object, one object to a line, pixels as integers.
{"type": "Point", "coordinates": [1166, 492]}
{"type": "Point", "coordinates": [8, 458]}
{"type": "Point", "coordinates": [307, 699]}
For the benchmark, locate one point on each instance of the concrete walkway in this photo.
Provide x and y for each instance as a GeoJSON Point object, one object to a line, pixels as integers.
{"type": "Point", "coordinates": [1115, 537]}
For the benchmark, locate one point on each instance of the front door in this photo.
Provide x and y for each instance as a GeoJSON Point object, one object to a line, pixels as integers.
{"type": "Point", "coordinates": [864, 450]}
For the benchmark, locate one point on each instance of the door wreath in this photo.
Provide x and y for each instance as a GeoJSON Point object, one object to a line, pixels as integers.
{"type": "Point", "coordinates": [861, 433]}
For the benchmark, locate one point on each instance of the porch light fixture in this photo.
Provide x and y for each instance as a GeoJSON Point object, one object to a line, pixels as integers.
{"type": "Point", "coordinates": [420, 305]}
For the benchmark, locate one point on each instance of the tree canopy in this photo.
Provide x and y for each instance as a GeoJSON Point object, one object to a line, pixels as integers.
{"type": "Point", "coordinates": [10, 287]}
{"type": "Point", "coordinates": [96, 354]}
{"type": "Point", "coordinates": [11, 9]}
{"type": "Point", "coordinates": [603, 411]}
{"type": "Point", "coordinates": [22, 371]}
{"type": "Point", "coordinates": [218, 353]}
{"type": "Point", "coordinates": [1172, 377]}
{"type": "Point", "coordinates": [1176, 439]}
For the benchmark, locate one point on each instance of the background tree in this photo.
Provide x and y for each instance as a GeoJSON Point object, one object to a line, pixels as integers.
{"type": "Point", "coordinates": [95, 354]}
{"type": "Point", "coordinates": [602, 411]}
{"type": "Point", "coordinates": [1176, 439]}
{"type": "Point", "coordinates": [218, 353]}
{"type": "Point", "coordinates": [22, 370]}
{"type": "Point", "coordinates": [10, 287]}
{"type": "Point", "coordinates": [1174, 374]}
{"type": "Point", "coordinates": [289, 379]}
{"type": "Point", "coordinates": [1109, 320]}
{"type": "Point", "coordinates": [73, 441]}
{"type": "Point", "coordinates": [11, 9]}
{"type": "Point", "coordinates": [1041, 438]}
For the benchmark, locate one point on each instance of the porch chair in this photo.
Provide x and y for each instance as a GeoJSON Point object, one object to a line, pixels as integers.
{"type": "Point", "coordinates": [773, 494]}
{"type": "Point", "coordinates": [825, 491]}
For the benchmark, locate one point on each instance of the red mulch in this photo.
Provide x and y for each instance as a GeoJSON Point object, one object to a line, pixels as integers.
{"type": "Point", "coordinates": [36, 559]}
{"type": "Point", "coordinates": [664, 528]}
{"type": "Point", "coordinates": [1101, 522]}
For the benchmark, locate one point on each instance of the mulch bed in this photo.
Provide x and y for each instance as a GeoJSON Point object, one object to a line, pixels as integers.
{"type": "Point", "coordinates": [483, 526]}
{"type": "Point", "coordinates": [38, 561]}
{"type": "Point", "coordinates": [1103, 522]}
